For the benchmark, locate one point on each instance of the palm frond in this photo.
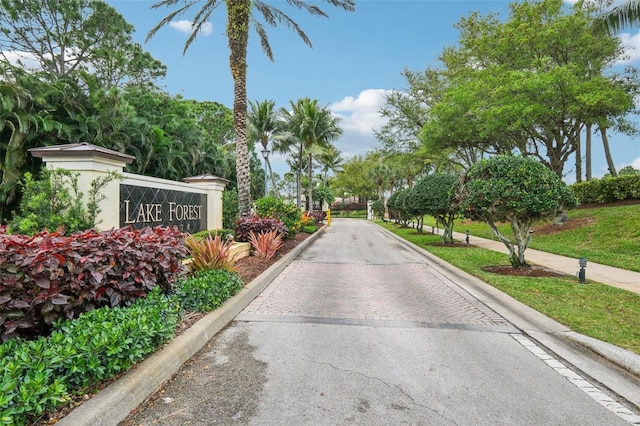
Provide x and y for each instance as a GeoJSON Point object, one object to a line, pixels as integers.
{"type": "Point", "coordinates": [623, 16]}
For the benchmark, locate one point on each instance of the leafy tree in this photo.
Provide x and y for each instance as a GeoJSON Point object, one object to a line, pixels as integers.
{"type": "Point", "coordinates": [628, 171]}
{"type": "Point", "coordinates": [530, 83]}
{"type": "Point", "coordinates": [64, 37]}
{"type": "Point", "coordinates": [513, 189]}
{"type": "Point", "coordinates": [239, 17]}
{"type": "Point", "coordinates": [354, 179]}
{"type": "Point", "coordinates": [434, 195]}
{"type": "Point", "coordinates": [311, 129]}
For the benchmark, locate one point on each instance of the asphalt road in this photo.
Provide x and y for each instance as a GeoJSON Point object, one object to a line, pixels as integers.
{"type": "Point", "coordinates": [361, 330]}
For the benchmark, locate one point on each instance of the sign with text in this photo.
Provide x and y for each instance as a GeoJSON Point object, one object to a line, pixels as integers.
{"type": "Point", "coordinates": [141, 206]}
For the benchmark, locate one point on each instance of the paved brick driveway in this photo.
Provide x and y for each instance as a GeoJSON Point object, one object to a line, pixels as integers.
{"type": "Point", "coordinates": [369, 294]}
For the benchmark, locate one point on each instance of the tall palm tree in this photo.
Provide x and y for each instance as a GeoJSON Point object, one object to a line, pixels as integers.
{"type": "Point", "coordinates": [313, 127]}
{"type": "Point", "coordinates": [239, 18]}
{"type": "Point", "coordinates": [624, 15]}
{"type": "Point", "coordinates": [263, 123]}
{"type": "Point", "coordinates": [330, 160]}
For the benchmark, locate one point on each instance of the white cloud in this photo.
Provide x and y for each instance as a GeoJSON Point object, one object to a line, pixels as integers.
{"type": "Point", "coordinates": [631, 44]}
{"type": "Point", "coordinates": [359, 117]}
{"type": "Point", "coordinates": [186, 27]}
{"type": "Point", "coordinates": [28, 60]}
{"type": "Point", "coordinates": [361, 114]}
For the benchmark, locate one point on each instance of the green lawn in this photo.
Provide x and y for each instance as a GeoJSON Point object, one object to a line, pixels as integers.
{"type": "Point", "coordinates": [597, 310]}
{"type": "Point", "coordinates": [611, 237]}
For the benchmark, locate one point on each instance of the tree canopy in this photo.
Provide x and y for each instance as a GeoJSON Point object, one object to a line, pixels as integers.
{"type": "Point", "coordinates": [516, 190]}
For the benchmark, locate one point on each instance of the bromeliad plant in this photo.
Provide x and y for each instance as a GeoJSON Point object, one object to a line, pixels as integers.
{"type": "Point", "coordinates": [265, 244]}
{"type": "Point", "coordinates": [210, 253]}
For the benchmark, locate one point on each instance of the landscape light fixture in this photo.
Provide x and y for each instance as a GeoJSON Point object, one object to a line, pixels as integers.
{"type": "Point", "coordinates": [582, 273]}
{"type": "Point", "coordinates": [467, 237]}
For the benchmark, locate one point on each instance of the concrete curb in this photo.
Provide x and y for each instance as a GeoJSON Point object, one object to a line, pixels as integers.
{"type": "Point", "coordinates": [115, 402]}
{"type": "Point", "coordinates": [621, 370]}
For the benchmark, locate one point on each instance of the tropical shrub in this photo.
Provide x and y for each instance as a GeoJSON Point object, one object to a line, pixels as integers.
{"type": "Point", "coordinates": [210, 253]}
{"type": "Point", "coordinates": [207, 289]}
{"type": "Point", "coordinates": [318, 217]}
{"type": "Point", "coordinates": [229, 208]}
{"type": "Point", "coordinates": [265, 244]}
{"type": "Point", "coordinates": [50, 276]}
{"type": "Point", "coordinates": [54, 202]}
{"type": "Point", "coordinates": [378, 208]}
{"type": "Point", "coordinates": [323, 194]}
{"type": "Point", "coordinates": [225, 234]}
{"type": "Point", "coordinates": [288, 214]}
{"type": "Point", "coordinates": [258, 225]}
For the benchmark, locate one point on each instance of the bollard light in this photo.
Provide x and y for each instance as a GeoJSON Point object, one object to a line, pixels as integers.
{"type": "Point", "coordinates": [582, 273]}
{"type": "Point", "coordinates": [467, 237]}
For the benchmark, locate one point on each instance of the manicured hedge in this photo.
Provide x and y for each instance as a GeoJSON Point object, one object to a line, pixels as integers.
{"type": "Point", "coordinates": [608, 190]}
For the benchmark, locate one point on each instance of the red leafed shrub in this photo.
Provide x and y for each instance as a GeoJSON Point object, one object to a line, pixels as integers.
{"type": "Point", "coordinates": [258, 225]}
{"type": "Point", "coordinates": [49, 276]}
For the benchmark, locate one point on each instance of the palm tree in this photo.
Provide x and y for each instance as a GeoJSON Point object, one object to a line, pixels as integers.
{"type": "Point", "coordinates": [379, 172]}
{"type": "Point", "coordinates": [626, 14]}
{"type": "Point", "coordinates": [263, 124]}
{"type": "Point", "coordinates": [330, 160]}
{"type": "Point", "coordinates": [239, 18]}
{"type": "Point", "coordinates": [313, 127]}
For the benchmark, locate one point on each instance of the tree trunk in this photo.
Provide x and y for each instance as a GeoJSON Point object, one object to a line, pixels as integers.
{"type": "Point", "coordinates": [517, 249]}
{"type": "Point", "coordinates": [607, 152]}
{"type": "Point", "coordinates": [578, 158]}
{"type": "Point", "coordinates": [238, 34]}
{"type": "Point", "coordinates": [447, 228]}
{"type": "Point", "coordinates": [587, 153]}
{"type": "Point", "coordinates": [310, 185]}
{"type": "Point", "coordinates": [273, 180]}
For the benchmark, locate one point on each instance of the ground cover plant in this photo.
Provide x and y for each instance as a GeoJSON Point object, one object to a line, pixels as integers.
{"type": "Point", "coordinates": [44, 377]}
{"type": "Point", "coordinates": [596, 310]}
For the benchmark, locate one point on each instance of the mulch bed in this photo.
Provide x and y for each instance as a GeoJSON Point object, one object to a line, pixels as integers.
{"type": "Point", "coordinates": [250, 267]}
{"type": "Point", "coordinates": [532, 271]}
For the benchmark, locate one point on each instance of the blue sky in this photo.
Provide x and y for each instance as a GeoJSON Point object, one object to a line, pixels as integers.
{"type": "Point", "coordinates": [356, 58]}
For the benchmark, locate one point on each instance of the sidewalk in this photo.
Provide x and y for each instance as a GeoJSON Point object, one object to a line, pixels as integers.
{"type": "Point", "coordinates": [616, 277]}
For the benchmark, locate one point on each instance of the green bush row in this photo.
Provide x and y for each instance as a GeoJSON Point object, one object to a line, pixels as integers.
{"type": "Point", "coordinates": [40, 375]}
{"type": "Point", "coordinates": [608, 189]}
{"type": "Point", "coordinates": [207, 289]}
